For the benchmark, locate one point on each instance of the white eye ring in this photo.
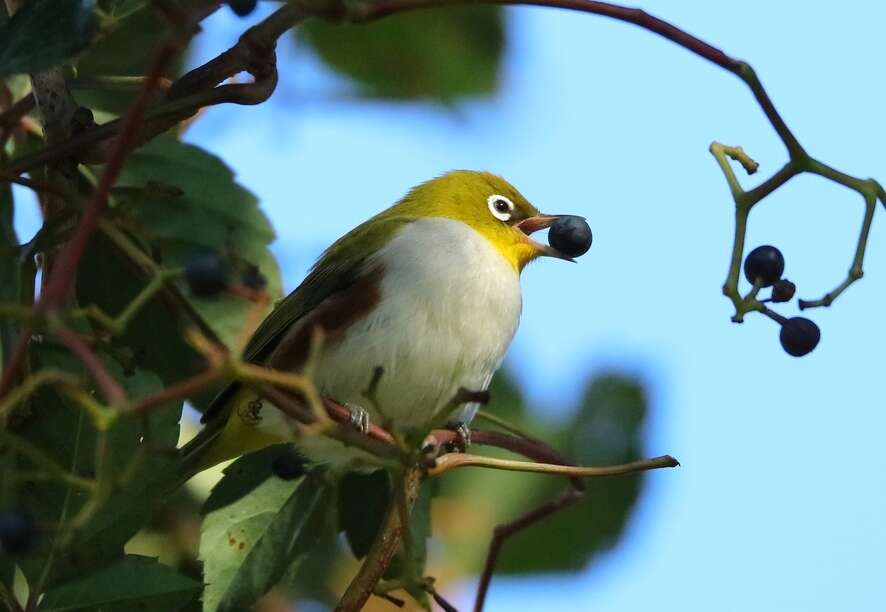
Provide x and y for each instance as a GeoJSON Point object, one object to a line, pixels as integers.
{"type": "Point", "coordinates": [500, 207]}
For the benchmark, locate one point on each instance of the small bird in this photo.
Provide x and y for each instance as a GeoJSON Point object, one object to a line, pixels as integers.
{"type": "Point", "coordinates": [428, 290]}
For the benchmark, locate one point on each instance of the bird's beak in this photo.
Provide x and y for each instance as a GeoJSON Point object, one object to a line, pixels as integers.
{"type": "Point", "coordinates": [540, 222]}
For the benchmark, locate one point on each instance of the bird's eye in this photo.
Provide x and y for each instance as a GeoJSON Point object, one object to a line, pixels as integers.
{"type": "Point", "coordinates": [500, 207]}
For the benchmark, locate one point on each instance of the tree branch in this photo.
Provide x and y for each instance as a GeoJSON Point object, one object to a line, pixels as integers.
{"type": "Point", "coordinates": [383, 547]}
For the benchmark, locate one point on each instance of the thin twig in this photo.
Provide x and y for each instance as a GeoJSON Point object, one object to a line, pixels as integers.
{"type": "Point", "coordinates": [34, 185]}
{"type": "Point", "coordinates": [44, 462]}
{"type": "Point", "coordinates": [502, 532]}
{"type": "Point", "coordinates": [113, 392]}
{"type": "Point", "coordinates": [451, 461]}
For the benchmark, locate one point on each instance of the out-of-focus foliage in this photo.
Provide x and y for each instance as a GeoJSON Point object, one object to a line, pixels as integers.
{"type": "Point", "coordinates": [606, 429]}
{"type": "Point", "coordinates": [103, 69]}
{"type": "Point", "coordinates": [98, 480]}
{"type": "Point", "coordinates": [443, 54]}
{"type": "Point", "coordinates": [45, 32]}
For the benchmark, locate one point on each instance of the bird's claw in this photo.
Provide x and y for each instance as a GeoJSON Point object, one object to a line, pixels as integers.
{"type": "Point", "coordinates": [462, 437]}
{"type": "Point", "coordinates": [359, 418]}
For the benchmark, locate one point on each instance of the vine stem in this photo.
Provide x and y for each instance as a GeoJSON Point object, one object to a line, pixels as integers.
{"type": "Point", "coordinates": [452, 461]}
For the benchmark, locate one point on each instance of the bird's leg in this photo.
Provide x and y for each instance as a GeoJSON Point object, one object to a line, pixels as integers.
{"type": "Point", "coordinates": [359, 417]}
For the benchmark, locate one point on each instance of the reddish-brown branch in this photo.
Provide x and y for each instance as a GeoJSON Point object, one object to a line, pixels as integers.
{"type": "Point", "coordinates": [179, 391]}
{"type": "Point", "coordinates": [16, 360]}
{"type": "Point", "coordinates": [370, 11]}
{"type": "Point", "coordinates": [63, 275]}
{"type": "Point", "coordinates": [199, 88]}
{"type": "Point", "coordinates": [386, 543]}
{"type": "Point", "coordinates": [11, 116]}
{"type": "Point", "coordinates": [113, 393]}
{"type": "Point", "coordinates": [439, 599]}
{"type": "Point", "coordinates": [506, 530]}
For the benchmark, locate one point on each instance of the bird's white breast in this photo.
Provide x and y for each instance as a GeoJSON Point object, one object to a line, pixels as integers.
{"type": "Point", "coordinates": [450, 304]}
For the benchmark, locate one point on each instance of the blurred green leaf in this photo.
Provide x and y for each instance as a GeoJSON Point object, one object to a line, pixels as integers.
{"type": "Point", "coordinates": [607, 430]}
{"type": "Point", "coordinates": [169, 189]}
{"type": "Point", "coordinates": [132, 25]}
{"type": "Point", "coordinates": [44, 33]}
{"type": "Point", "coordinates": [442, 54]}
{"type": "Point", "coordinates": [133, 583]}
{"type": "Point", "coordinates": [121, 7]}
{"type": "Point", "coordinates": [362, 502]}
{"type": "Point", "coordinates": [248, 546]}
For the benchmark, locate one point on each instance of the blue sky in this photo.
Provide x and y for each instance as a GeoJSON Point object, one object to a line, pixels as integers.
{"type": "Point", "coordinates": [779, 503]}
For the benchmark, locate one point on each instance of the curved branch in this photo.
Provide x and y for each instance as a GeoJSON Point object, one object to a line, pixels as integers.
{"type": "Point", "coordinates": [370, 11]}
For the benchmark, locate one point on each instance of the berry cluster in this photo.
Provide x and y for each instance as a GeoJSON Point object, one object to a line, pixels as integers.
{"type": "Point", "coordinates": [764, 267]}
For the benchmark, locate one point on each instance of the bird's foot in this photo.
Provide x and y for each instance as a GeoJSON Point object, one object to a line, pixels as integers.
{"type": "Point", "coordinates": [359, 418]}
{"type": "Point", "coordinates": [462, 437]}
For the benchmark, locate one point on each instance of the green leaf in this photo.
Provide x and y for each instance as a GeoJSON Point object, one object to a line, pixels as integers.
{"type": "Point", "coordinates": [44, 33]}
{"type": "Point", "coordinates": [154, 338]}
{"type": "Point", "coordinates": [442, 54]}
{"type": "Point", "coordinates": [362, 502]}
{"type": "Point", "coordinates": [608, 429]}
{"type": "Point", "coordinates": [247, 547]}
{"type": "Point", "coordinates": [169, 188]}
{"type": "Point", "coordinates": [133, 583]}
{"type": "Point", "coordinates": [243, 476]}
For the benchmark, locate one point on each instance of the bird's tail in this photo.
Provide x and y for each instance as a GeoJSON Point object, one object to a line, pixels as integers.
{"type": "Point", "coordinates": [226, 435]}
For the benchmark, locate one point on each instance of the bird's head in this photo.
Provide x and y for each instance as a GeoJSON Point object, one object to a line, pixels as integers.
{"type": "Point", "coordinates": [491, 206]}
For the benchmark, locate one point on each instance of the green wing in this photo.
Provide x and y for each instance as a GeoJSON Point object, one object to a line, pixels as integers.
{"type": "Point", "coordinates": [337, 269]}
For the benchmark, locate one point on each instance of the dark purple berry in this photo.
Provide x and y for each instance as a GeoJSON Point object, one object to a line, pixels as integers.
{"type": "Point", "coordinates": [783, 290]}
{"type": "Point", "coordinates": [207, 274]}
{"type": "Point", "coordinates": [17, 532]}
{"type": "Point", "coordinates": [254, 279]}
{"type": "Point", "coordinates": [288, 466]}
{"type": "Point", "coordinates": [570, 235]}
{"type": "Point", "coordinates": [242, 7]}
{"type": "Point", "coordinates": [765, 265]}
{"type": "Point", "coordinates": [799, 336]}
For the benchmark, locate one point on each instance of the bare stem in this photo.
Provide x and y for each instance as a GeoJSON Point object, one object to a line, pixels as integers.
{"type": "Point", "coordinates": [452, 461]}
